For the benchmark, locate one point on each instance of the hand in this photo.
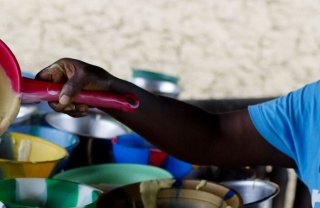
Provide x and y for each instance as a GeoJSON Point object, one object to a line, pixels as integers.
{"type": "Point", "coordinates": [76, 75]}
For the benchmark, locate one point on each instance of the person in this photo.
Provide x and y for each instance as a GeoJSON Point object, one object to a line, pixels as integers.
{"type": "Point", "coordinates": [282, 132]}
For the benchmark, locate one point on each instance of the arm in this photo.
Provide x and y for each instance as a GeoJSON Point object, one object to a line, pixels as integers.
{"type": "Point", "coordinates": [183, 130]}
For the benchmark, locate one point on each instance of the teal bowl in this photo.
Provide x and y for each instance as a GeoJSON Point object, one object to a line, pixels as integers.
{"type": "Point", "coordinates": [106, 177]}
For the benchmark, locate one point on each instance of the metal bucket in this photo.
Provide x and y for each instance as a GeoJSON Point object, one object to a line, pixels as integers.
{"type": "Point", "coordinates": [254, 193]}
{"type": "Point", "coordinates": [157, 83]}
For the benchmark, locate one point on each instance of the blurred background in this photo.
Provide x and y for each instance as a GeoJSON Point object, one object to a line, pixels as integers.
{"type": "Point", "coordinates": [219, 49]}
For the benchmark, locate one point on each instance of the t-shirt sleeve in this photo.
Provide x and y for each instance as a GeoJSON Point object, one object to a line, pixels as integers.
{"type": "Point", "coordinates": [291, 123]}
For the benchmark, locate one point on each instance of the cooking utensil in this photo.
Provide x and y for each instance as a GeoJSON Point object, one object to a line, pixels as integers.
{"type": "Point", "coordinates": [94, 125]}
{"type": "Point", "coordinates": [31, 90]}
{"type": "Point", "coordinates": [255, 193]}
{"type": "Point", "coordinates": [157, 83]}
{"type": "Point", "coordinates": [95, 132]}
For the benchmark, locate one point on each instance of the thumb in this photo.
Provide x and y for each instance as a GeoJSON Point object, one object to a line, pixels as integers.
{"type": "Point", "coordinates": [70, 91]}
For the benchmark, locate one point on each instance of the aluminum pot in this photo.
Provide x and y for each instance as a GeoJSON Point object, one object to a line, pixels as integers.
{"type": "Point", "coordinates": [254, 193]}
{"type": "Point", "coordinates": [95, 132]}
{"type": "Point", "coordinates": [157, 83]}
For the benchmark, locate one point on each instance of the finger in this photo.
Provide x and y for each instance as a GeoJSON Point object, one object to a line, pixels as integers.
{"type": "Point", "coordinates": [82, 108]}
{"type": "Point", "coordinates": [79, 111]}
{"type": "Point", "coordinates": [53, 73]}
{"type": "Point", "coordinates": [70, 107]}
{"type": "Point", "coordinates": [56, 106]}
{"type": "Point", "coordinates": [76, 114]}
{"type": "Point", "coordinates": [59, 108]}
{"type": "Point", "coordinates": [71, 89]}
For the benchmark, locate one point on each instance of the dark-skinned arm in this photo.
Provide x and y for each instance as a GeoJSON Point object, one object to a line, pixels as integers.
{"type": "Point", "coordinates": [180, 129]}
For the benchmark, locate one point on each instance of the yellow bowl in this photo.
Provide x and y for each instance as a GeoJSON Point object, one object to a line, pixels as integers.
{"type": "Point", "coordinates": [40, 160]}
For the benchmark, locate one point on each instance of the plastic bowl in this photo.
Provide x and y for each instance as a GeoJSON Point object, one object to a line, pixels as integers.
{"type": "Point", "coordinates": [64, 139]}
{"type": "Point", "coordinates": [132, 148]}
{"type": "Point", "coordinates": [43, 192]}
{"type": "Point", "coordinates": [109, 176]}
{"type": "Point", "coordinates": [42, 162]}
{"type": "Point", "coordinates": [182, 194]}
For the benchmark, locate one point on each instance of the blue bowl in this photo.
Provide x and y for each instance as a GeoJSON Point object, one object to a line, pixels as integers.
{"type": "Point", "coordinates": [67, 140]}
{"type": "Point", "coordinates": [132, 148]}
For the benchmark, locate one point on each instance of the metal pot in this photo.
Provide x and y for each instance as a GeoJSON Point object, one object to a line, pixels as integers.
{"type": "Point", "coordinates": [254, 193]}
{"type": "Point", "coordinates": [157, 83]}
{"type": "Point", "coordinates": [95, 132]}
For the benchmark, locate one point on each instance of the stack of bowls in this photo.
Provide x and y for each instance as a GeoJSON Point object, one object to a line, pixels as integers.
{"type": "Point", "coordinates": [157, 83]}
{"type": "Point", "coordinates": [40, 160]}
{"type": "Point", "coordinates": [132, 148]}
{"type": "Point", "coordinates": [64, 139]}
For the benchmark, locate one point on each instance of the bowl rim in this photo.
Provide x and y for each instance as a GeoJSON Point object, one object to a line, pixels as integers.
{"type": "Point", "coordinates": [152, 75]}
{"type": "Point", "coordinates": [49, 116]}
{"type": "Point", "coordinates": [65, 152]}
{"type": "Point", "coordinates": [275, 187]}
{"type": "Point", "coordinates": [74, 136]}
{"type": "Point", "coordinates": [113, 166]}
{"type": "Point", "coordinates": [60, 181]}
{"type": "Point", "coordinates": [188, 184]}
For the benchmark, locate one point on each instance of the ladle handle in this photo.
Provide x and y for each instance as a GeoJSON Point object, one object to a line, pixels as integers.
{"type": "Point", "coordinates": [36, 91]}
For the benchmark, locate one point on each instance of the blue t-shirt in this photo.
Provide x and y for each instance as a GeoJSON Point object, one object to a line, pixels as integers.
{"type": "Point", "coordinates": [291, 123]}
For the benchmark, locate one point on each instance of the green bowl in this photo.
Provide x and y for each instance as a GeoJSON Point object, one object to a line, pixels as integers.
{"type": "Point", "coordinates": [106, 177]}
{"type": "Point", "coordinates": [49, 193]}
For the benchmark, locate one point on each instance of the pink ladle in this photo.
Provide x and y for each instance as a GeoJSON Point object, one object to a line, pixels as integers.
{"type": "Point", "coordinates": [31, 90]}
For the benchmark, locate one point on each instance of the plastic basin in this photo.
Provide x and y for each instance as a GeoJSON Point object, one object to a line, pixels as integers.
{"type": "Point", "coordinates": [49, 193]}
{"type": "Point", "coordinates": [64, 139]}
{"type": "Point", "coordinates": [132, 148]}
{"type": "Point", "coordinates": [42, 160]}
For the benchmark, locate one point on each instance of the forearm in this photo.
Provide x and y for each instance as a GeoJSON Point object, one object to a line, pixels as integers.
{"type": "Point", "coordinates": [195, 135]}
{"type": "Point", "coordinates": [173, 126]}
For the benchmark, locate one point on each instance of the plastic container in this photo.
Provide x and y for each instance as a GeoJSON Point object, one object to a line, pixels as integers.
{"type": "Point", "coordinates": [64, 139]}
{"type": "Point", "coordinates": [42, 160]}
{"type": "Point", "coordinates": [132, 148]}
{"type": "Point", "coordinates": [109, 176]}
{"type": "Point", "coordinates": [49, 193]}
